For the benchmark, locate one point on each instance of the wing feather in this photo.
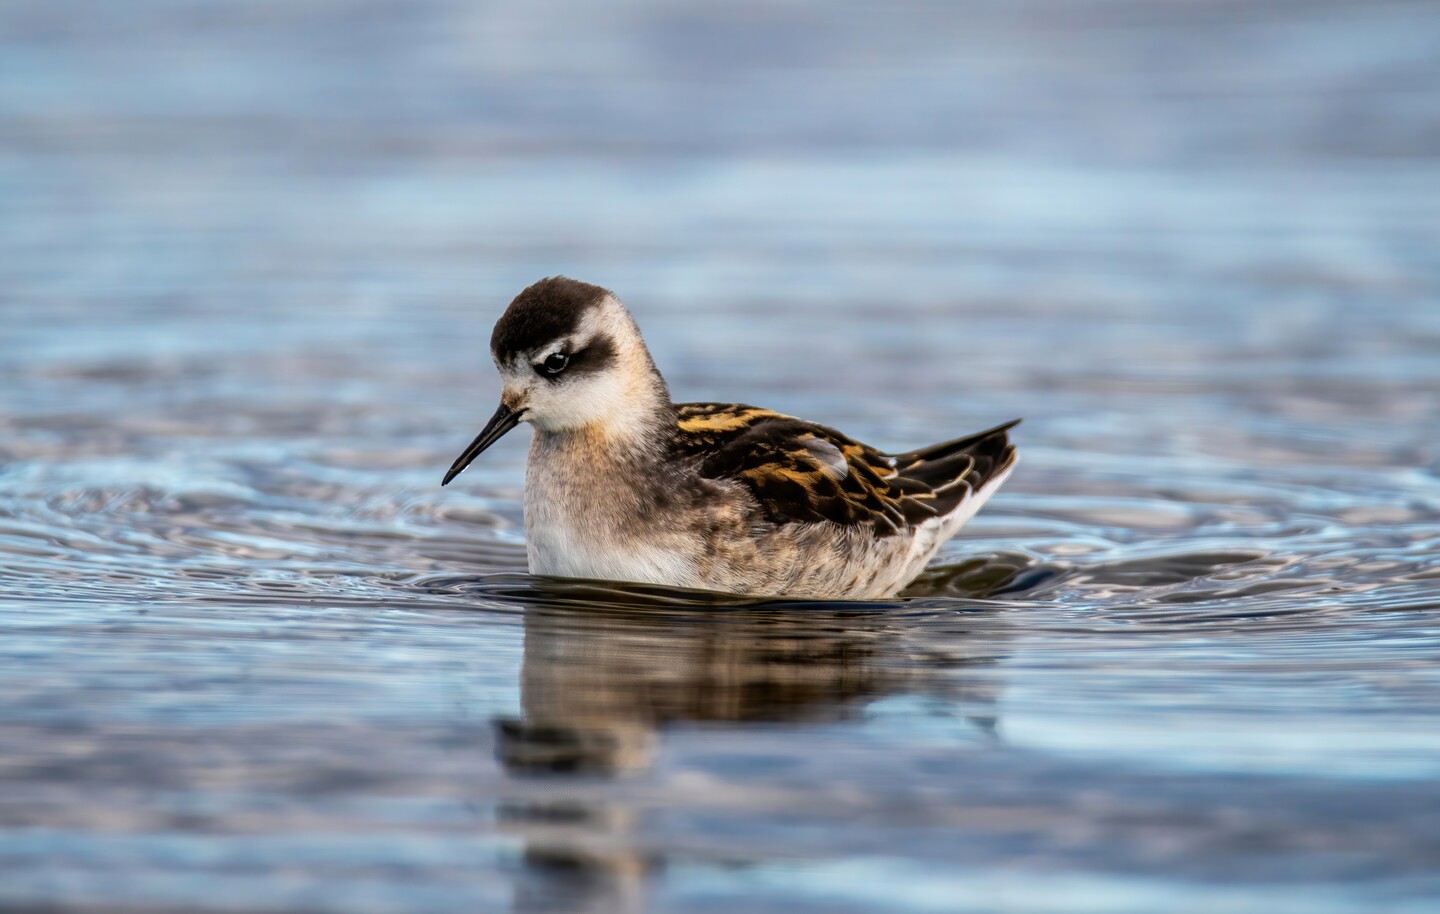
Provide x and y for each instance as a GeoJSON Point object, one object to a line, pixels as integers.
{"type": "Point", "coordinates": [800, 472]}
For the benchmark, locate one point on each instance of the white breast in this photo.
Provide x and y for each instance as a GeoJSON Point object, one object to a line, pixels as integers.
{"type": "Point", "coordinates": [577, 526]}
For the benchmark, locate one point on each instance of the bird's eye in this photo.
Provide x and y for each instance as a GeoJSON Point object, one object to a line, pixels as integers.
{"type": "Point", "coordinates": [554, 363]}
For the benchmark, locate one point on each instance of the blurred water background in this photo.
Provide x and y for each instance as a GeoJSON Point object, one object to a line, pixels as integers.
{"type": "Point", "coordinates": [255, 659]}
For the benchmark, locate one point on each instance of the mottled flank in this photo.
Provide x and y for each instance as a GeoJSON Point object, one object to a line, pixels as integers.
{"type": "Point", "coordinates": [790, 466]}
{"type": "Point", "coordinates": [547, 310]}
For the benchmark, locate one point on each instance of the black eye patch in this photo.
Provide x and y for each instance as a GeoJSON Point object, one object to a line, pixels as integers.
{"type": "Point", "coordinates": [598, 356]}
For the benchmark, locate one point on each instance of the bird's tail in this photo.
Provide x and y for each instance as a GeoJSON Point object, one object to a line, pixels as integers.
{"type": "Point", "coordinates": [964, 470]}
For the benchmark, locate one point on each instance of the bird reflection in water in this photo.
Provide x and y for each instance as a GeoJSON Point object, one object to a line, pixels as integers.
{"type": "Point", "coordinates": [606, 671]}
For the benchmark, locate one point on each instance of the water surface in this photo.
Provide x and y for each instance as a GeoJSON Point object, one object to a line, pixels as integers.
{"type": "Point", "coordinates": [254, 658]}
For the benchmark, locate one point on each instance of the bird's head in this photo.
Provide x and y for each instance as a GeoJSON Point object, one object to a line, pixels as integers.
{"type": "Point", "coordinates": [570, 358]}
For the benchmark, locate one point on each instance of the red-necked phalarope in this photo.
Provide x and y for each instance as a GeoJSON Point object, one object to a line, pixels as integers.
{"type": "Point", "coordinates": [623, 484]}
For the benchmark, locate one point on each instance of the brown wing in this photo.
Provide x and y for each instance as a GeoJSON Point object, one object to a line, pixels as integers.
{"type": "Point", "coordinates": [801, 472]}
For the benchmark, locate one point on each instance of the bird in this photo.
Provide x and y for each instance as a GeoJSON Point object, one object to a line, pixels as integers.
{"type": "Point", "coordinates": [623, 484]}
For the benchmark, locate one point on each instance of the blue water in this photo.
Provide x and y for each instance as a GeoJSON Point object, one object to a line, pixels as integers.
{"type": "Point", "coordinates": [252, 657]}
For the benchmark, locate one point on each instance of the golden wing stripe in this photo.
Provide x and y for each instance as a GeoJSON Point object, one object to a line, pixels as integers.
{"type": "Point", "coordinates": [724, 421]}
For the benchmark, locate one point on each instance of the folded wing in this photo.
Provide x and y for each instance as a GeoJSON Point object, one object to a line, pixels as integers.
{"type": "Point", "coordinates": [801, 472]}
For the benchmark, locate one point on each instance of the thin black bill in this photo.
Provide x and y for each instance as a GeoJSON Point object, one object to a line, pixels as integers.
{"type": "Point", "coordinates": [500, 423]}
